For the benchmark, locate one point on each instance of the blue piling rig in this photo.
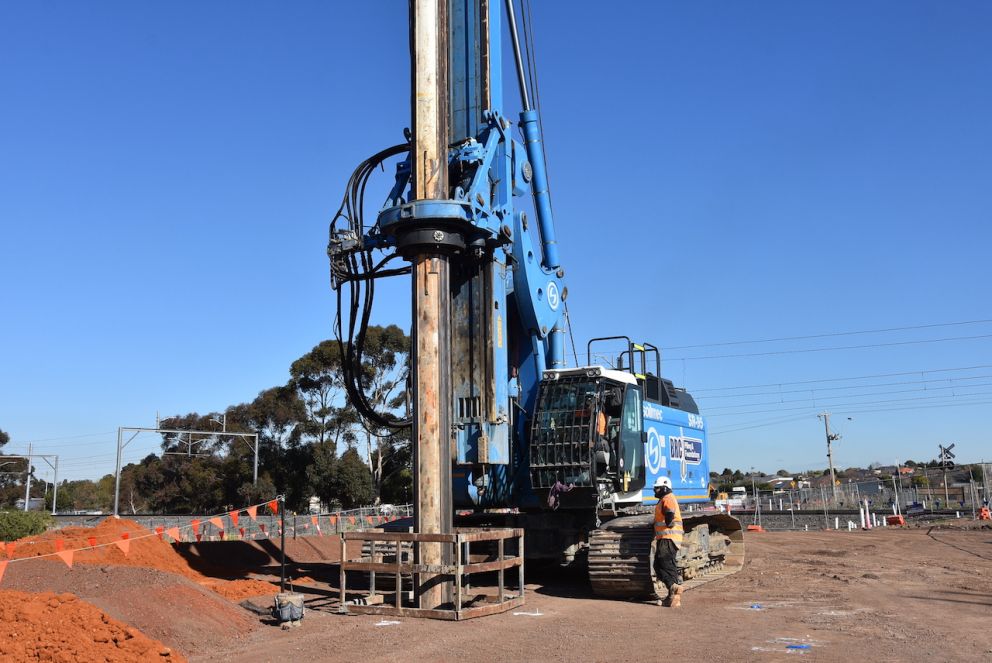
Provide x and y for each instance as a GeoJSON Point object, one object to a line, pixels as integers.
{"type": "Point", "coordinates": [503, 286]}
{"type": "Point", "coordinates": [507, 292]}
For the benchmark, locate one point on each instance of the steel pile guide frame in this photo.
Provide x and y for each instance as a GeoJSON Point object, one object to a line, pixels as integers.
{"type": "Point", "coordinates": [400, 545]}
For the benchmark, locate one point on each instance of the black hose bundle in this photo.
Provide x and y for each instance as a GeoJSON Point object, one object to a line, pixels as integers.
{"type": "Point", "coordinates": [357, 270]}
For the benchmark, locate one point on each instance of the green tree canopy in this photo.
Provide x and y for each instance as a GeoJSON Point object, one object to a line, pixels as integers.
{"type": "Point", "coordinates": [352, 481]}
{"type": "Point", "coordinates": [318, 380]}
{"type": "Point", "coordinates": [303, 427]}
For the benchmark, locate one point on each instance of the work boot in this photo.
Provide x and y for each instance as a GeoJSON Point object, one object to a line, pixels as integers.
{"type": "Point", "coordinates": [675, 597]}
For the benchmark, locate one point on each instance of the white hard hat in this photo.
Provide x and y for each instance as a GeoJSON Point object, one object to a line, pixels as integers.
{"type": "Point", "coordinates": [662, 481]}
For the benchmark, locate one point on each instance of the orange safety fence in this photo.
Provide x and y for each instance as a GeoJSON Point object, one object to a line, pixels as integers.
{"type": "Point", "coordinates": [123, 542]}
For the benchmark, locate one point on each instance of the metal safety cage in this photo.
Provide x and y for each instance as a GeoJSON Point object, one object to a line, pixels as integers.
{"type": "Point", "coordinates": [391, 555]}
{"type": "Point", "coordinates": [560, 449]}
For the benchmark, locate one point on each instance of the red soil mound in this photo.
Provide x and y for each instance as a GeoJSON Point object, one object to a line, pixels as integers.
{"type": "Point", "coordinates": [59, 627]}
{"type": "Point", "coordinates": [183, 614]}
{"type": "Point", "coordinates": [149, 552]}
{"type": "Point", "coordinates": [235, 590]}
{"type": "Point", "coordinates": [146, 550]}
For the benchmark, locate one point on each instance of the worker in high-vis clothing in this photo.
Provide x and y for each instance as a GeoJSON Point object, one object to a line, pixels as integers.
{"type": "Point", "coordinates": [668, 540]}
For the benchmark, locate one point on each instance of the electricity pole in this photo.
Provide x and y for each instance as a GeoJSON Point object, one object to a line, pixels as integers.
{"type": "Point", "coordinates": [757, 502]}
{"type": "Point", "coordinates": [831, 437]}
{"type": "Point", "coordinates": [945, 464]}
{"type": "Point", "coordinates": [27, 482]}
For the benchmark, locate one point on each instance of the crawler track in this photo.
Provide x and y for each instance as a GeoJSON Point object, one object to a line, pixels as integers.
{"type": "Point", "coordinates": [621, 553]}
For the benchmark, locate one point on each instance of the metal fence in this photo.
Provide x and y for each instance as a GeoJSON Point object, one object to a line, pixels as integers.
{"type": "Point", "coordinates": [880, 495]}
{"type": "Point", "coordinates": [206, 528]}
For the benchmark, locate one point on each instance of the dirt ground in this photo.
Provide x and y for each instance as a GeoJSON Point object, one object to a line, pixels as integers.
{"type": "Point", "coordinates": [885, 595]}
{"type": "Point", "coordinates": [60, 627]}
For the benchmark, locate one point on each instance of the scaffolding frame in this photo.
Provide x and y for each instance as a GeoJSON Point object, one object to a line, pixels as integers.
{"type": "Point", "coordinates": [404, 546]}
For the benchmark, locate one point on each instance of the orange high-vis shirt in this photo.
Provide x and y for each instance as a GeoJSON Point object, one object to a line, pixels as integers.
{"type": "Point", "coordinates": [663, 531]}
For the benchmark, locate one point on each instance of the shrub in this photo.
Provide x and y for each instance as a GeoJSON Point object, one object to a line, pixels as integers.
{"type": "Point", "coordinates": [17, 524]}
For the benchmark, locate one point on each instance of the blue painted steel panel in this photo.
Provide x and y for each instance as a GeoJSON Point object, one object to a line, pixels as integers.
{"type": "Point", "coordinates": [676, 448]}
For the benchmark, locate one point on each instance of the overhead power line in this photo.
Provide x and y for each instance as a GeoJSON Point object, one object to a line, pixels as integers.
{"type": "Point", "coordinates": [835, 348]}
{"type": "Point", "coordinates": [853, 386]}
{"type": "Point", "coordinates": [923, 371]}
{"type": "Point", "coordinates": [829, 335]}
{"type": "Point", "coordinates": [795, 418]}
{"type": "Point", "coordinates": [848, 405]}
{"type": "Point", "coordinates": [920, 407]}
{"type": "Point", "coordinates": [778, 421]}
{"type": "Point", "coordinates": [814, 399]}
{"type": "Point", "coordinates": [807, 337]}
{"type": "Point", "coordinates": [65, 437]}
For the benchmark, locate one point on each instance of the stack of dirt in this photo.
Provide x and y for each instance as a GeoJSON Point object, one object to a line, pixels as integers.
{"type": "Point", "coordinates": [145, 549]}
{"type": "Point", "coordinates": [59, 627]}
{"type": "Point", "coordinates": [151, 587]}
{"type": "Point", "coordinates": [235, 590]}
{"type": "Point", "coordinates": [165, 606]}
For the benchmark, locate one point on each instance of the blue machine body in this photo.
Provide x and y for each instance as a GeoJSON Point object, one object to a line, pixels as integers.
{"type": "Point", "coordinates": [507, 309]}
{"type": "Point", "coordinates": [676, 448]}
{"type": "Point", "coordinates": [507, 293]}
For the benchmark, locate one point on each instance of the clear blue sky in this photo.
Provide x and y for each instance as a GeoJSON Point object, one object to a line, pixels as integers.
{"type": "Point", "coordinates": [722, 171]}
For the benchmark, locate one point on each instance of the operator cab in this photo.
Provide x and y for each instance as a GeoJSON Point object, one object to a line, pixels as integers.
{"type": "Point", "coordinates": [587, 433]}
{"type": "Point", "coordinates": [587, 436]}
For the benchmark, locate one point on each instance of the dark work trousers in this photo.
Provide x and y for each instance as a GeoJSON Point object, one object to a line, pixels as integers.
{"type": "Point", "coordinates": [664, 563]}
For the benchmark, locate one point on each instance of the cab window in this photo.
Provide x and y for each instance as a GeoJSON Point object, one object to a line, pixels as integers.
{"type": "Point", "coordinates": [630, 435]}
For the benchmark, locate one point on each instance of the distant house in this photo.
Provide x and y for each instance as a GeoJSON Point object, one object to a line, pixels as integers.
{"type": "Point", "coordinates": [869, 487]}
{"type": "Point", "coordinates": [906, 471]}
{"type": "Point", "coordinates": [781, 483]}
{"type": "Point", "coordinates": [822, 481]}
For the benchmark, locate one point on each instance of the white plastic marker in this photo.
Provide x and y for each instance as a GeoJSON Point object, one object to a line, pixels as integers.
{"type": "Point", "coordinates": [386, 622]}
{"type": "Point", "coordinates": [536, 613]}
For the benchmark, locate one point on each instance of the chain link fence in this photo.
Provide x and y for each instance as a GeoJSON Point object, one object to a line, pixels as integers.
{"type": "Point", "coordinates": [890, 493]}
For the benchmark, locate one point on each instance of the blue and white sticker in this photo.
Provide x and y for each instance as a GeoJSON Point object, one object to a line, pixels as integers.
{"type": "Point", "coordinates": [654, 454]}
{"type": "Point", "coordinates": [686, 451]}
{"type": "Point", "coordinates": [553, 297]}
